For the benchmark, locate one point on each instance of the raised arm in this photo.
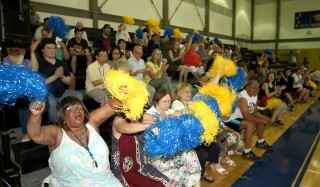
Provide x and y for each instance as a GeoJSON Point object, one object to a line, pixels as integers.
{"type": "Point", "coordinates": [34, 62]}
{"type": "Point", "coordinates": [123, 127]}
{"type": "Point", "coordinates": [98, 116]}
{"type": "Point", "coordinates": [46, 135]}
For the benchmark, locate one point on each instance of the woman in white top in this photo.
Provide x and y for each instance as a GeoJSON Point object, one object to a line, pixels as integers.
{"type": "Point", "coordinates": [297, 87]}
{"type": "Point", "coordinates": [183, 169]}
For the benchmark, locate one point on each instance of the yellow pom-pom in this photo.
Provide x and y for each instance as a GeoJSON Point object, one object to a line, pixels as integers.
{"type": "Point", "coordinates": [153, 22]}
{"type": "Point", "coordinates": [195, 31]}
{"type": "Point", "coordinates": [224, 95]}
{"type": "Point", "coordinates": [128, 20]}
{"type": "Point", "coordinates": [298, 51]}
{"type": "Point", "coordinates": [260, 63]}
{"type": "Point", "coordinates": [155, 30]}
{"type": "Point", "coordinates": [177, 33]}
{"type": "Point", "coordinates": [223, 66]}
{"type": "Point", "coordinates": [208, 120]}
{"type": "Point", "coordinates": [272, 103]}
{"type": "Point", "coordinates": [132, 93]}
{"type": "Point", "coordinates": [312, 85]}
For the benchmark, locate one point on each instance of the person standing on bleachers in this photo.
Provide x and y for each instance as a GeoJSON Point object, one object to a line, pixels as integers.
{"type": "Point", "coordinates": [94, 77]}
{"type": "Point", "coordinates": [57, 78]}
{"type": "Point", "coordinates": [80, 26]}
{"type": "Point", "coordinates": [104, 40]}
{"type": "Point", "coordinates": [34, 19]}
{"type": "Point", "coordinates": [38, 34]}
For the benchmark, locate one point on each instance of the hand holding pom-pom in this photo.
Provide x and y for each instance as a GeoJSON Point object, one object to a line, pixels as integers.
{"type": "Point", "coordinates": [37, 107]}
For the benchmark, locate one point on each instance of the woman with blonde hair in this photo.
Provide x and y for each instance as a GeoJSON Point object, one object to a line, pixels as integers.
{"type": "Point", "coordinates": [157, 75]}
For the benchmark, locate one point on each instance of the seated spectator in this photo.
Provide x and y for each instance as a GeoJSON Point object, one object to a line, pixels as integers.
{"type": "Point", "coordinates": [247, 117]}
{"type": "Point", "coordinates": [127, 143]}
{"type": "Point", "coordinates": [184, 168]}
{"type": "Point", "coordinates": [206, 154]}
{"type": "Point", "coordinates": [79, 51]}
{"type": "Point", "coordinates": [303, 93]}
{"type": "Point", "coordinates": [80, 26]}
{"type": "Point", "coordinates": [57, 78]}
{"type": "Point", "coordinates": [165, 46]}
{"type": "Point", "coordinates": [264, 72]}
{"type": "Point", "coordinates": [113, 57]}
{"type": "Point", "coordinates": [94, 77]}
{"type": "Point", "coordinates": [38, 34]}
{"type": "Point", "coordinates": [287, 80]}
{"type": "Point", "coordinates": [271, 91]}
{"type": "Point", "coordinates": [234, 58]}
{"type": "Point", "coordinates": [253, 62]}
{"type": "Point", "coordinates": [174, 60]}
{"type": "Point", "coordinates": [139, 69]}
{"type": "Point", "coordinates": [255, 73]}
{"type": "Point", "coordinates": [124, 52]}
{"type": "Point", "coordinates": [193, 61]}
{"type": "Point", "coordinates": [306, 82]}
{"type": "Point", "coordinates": [105, 39]}
{"type": "Point", "coordinates": [238, 52]}
{"type": "Point", "coordinates": [16, 56]}
{"type": "Point", "coordinates": [157, 72]}
{"type": "Point", "coordinates": [154, 43]}
{"type": "Point", "coordinates": [205, 57]}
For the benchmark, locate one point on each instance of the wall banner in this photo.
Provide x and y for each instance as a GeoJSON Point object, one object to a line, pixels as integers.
{"type": "Point", "coordinates": [309, 19]}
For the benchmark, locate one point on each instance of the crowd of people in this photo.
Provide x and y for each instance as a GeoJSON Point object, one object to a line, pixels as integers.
{"type": "Point", "coordinates": [78, 154]}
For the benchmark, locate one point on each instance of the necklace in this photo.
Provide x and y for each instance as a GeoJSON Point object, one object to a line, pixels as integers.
{"type": "Point", "coordinates": [94, 162]}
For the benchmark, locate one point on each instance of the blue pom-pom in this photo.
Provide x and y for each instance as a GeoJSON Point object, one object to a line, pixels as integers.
{"type": "Point", "coordinates": [216, 40]}
{"type": "Point", "coordinates": [18, 82]}
{"type": "Point", "coordinates": [197, 37]}
{"type": "Point", "coordinates": [168, 32]}
{"type": "Point", "coordinates": [267, 51]}
{"type": "Point", "coordinates": [238, 80]}
{"type": "Point", "coordinates": [57, 24]}
{"type": "Point", "coordinates": [210, 101]}
{"type": "Point", "coordinates": [193, 130]}
{"type": "Point", "coordinates": [139, 34]}
{"type": "Point", "coordinates": [169, 140]}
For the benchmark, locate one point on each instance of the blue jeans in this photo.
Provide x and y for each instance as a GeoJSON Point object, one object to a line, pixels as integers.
{"type": "Point", "coordinates": [52, 102]}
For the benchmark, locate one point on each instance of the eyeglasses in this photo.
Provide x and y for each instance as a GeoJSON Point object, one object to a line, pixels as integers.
{"type": "Point", "coordinates": [115, 53]}
{"type": "Point", "coordinates": [74, 108]}
{"type": "Point", "coordinates": [138, 53]}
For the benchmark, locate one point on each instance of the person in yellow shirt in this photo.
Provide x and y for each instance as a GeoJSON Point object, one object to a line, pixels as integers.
{"type": "Point", "coordinates": [156, 75]}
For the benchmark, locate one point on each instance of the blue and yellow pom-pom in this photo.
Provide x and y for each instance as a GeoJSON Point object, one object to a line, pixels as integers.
{"type": "Point", "coordinates": [208, 120]}
{"type": "Point", "coordinates": [224, 95]}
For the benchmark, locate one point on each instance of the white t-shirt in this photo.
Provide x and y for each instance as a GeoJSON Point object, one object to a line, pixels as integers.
{"type": "Point", "coordinates": [252, 101]}
{"type": "Point", "coordinates": [296, 81]}
{"type": "Point", "coordinates": [155, 112]}
{"type": "Point", "coordinates": [177, 105]}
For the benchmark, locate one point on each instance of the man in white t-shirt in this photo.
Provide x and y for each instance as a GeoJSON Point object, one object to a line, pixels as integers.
{"type": "Point", "coordinates": [303, 93]}
{"type": "Point", "coordinates": [247, 117]}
